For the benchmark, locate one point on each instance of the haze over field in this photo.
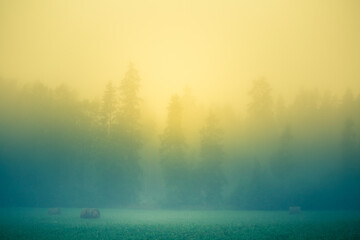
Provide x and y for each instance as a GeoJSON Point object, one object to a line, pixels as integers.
{"type": "Point", "coordinates": [215, 47]}
{"type": "Point", "coordinates": [180, 104]}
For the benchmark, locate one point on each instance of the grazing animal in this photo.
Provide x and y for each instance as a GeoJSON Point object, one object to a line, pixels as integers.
{"type": "Point", "coordinates": [90, 213]}
{"type": "Point", "coordinates": [54, 211]}
{"type": "Point", "coordinates": [294, 210]}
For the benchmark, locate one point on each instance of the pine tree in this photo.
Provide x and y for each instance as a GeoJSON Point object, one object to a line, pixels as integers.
{"type": "Point", "coordinates": [172, 152]}
{"type": "Point", "coordinates": [129, 120]}
{"type": "Point", "coordinates": [109, 108]}
{"type": "Point", "coordinates": [348, 104]}
{"type": "Point", "coordinates": [129, 111]}
{"type": "Point", "coordinates": [260, 118]}
{"type": "Point", "coordinates": [261, 106]}
{"type": "Point", "coordinates": [349, 146]}
{"type": "Point", "coordinates": [212, 155]}
{"type": "Point", "coordinates": [282, 164]}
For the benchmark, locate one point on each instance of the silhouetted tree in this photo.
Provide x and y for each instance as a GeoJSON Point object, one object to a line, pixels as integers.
{"type": "Point", "coordinates": [191, 116]}
{"type": "Point", "coordinates": [212, 155]}
{"type": "Point", "coordinates": [348, 105]}
{"type": "Point", "coordinates": [109, 108]}
{"type": "Point", "coordinates": [283, 162]}
{"type": "Point", "coordinates": [257, 196]}
{"type": "Point", "coordinates": [349, 147]}
{"type": "Point", "coordinates": [260, 122]}
{"type": "Point", "coordinates": [280, 111]}
{"type": "Point", "coordinates": [260, 108]}
{"type": "Point", "coordinates": [129, 120]}
{"type": "Point", "coordinates": [173, 147]}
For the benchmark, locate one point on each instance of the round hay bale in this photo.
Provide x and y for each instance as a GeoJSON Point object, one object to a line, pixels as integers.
{"type": "Point", "coordinates": [90, 213]}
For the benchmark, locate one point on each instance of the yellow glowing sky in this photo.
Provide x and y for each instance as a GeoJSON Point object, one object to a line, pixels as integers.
{"type": "Point", "coordinates": [215, 47]}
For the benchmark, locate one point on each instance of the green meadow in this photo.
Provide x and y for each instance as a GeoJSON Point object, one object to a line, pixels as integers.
{"type": "Point", "coordinates": [29, 223]}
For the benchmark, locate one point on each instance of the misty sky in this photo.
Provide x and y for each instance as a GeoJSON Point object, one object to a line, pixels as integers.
{"type": "Point", "coordinates": [215, 47]}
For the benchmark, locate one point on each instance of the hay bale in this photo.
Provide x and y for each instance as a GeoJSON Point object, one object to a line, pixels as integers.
{"type": "Point", "coordinates": [294, 210]}
{"type": "Point", "coordinates": [54, 211]}
{"type": "Point", "coordinates": [90, 213]}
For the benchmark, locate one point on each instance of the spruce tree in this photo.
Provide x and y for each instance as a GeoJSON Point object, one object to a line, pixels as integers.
{"type": "Point", "coordinates": [129, 121]}
{"type": "Point", "coordinates": [212, 155]}
{"type": "Point", "coordinates": [109, 108]}
{"type": "Point", "coordinates": [172, 152]}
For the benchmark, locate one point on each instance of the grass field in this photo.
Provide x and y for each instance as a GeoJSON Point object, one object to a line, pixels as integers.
{"type": "Point", "coordinates": [16, 223]}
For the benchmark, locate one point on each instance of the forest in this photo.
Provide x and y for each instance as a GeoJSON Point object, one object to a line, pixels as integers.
{"type": "Point", "coordinates": [59, 149]}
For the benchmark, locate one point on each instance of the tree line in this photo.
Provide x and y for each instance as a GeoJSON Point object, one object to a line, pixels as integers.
{"type": "Point", "coordinates": [57, 149]}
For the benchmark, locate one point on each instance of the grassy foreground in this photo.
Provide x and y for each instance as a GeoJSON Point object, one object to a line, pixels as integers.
{"type": "Point", "coordinates": [16, 223]}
